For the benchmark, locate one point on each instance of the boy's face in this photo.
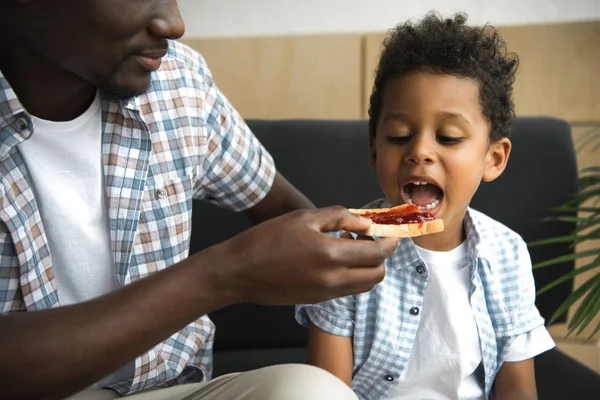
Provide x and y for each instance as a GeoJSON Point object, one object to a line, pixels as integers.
{"type": "Point", "coordinates": [432, 148]}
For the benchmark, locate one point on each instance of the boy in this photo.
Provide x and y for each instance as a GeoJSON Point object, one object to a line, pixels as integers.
{"type": "Point", "coordinates": [455, 316]}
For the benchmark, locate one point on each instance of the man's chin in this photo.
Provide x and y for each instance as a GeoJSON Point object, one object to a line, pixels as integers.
{"type": "Point", "coordinates": [125, 89]}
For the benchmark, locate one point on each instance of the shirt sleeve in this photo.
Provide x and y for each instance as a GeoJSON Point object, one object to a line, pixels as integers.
{"type": "Point", "coordinates": [334, 316]}
{"type": "Point", "coordinates": [528, 316]}
{"type": "Point", "coordinates": [237, 172]}
{"type": "Point", "coordinates": [530, 344]}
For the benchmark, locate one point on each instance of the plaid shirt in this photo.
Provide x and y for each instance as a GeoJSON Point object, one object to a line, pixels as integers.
{"type": "Point", "coordinates": [179, 140]}
{"type": "Point", "coordinates": [384, 329]}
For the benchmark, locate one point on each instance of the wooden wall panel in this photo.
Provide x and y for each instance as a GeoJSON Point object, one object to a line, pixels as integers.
{"type": "Point", "coordinates": [559, 69]}
{"type": "Point", "coordinates": [288, 77]}
{"type": "Point", "coordinates": [372, 48]}
{"type": "Point", "coordinates": [558, 73]}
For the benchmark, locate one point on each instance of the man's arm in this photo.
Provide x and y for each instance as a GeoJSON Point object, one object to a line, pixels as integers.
{"type": "Point", "coordinates": [331, 353]}
{"type": "Point", "coordinates": [282, 198]}
{"type": "Point", "coordinates": [53, 353]}
{"type": "Point", "coordinates": [516, 381]}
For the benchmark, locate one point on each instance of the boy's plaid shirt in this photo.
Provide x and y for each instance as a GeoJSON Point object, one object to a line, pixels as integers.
{"type": "Point", "coordinates": [180, 140]}
{"type": "Point", "coordinates": [381, 324]}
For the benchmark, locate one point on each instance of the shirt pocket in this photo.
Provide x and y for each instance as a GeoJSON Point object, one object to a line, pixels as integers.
{"type": "Point", "coordinates": [164, 227]}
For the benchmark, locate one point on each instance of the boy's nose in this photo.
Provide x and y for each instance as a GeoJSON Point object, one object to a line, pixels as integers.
{"type": "Point", "coordinates": [419, 153]}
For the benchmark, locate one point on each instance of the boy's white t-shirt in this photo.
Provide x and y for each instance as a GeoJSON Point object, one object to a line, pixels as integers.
{"type": "Point", "coordinates": [446, 361]}
{"type": "Point", "coordinates": [64, 161]}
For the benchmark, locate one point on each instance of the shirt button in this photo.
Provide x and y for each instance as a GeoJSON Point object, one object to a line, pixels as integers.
{"type": "Point", "coordinates": [161, 193]}
{"type": "Point", "coordinates": [414, 311]}
{"type": "Point", "coordinates": [420, 270]}
{"type": "Point", "coordinates": [389, 378]}
{"type": "Point", "coordinates": [21, 124]}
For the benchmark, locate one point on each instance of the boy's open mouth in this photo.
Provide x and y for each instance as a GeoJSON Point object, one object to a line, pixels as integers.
{"type": "Point", "coordinates": [425, 195]}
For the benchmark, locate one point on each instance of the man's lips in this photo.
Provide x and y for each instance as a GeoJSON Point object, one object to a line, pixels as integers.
{"type": "Point", "coordinates": [152, 59]}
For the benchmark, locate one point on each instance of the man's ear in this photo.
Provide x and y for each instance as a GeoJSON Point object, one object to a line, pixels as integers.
{"type": "Point", "coordinates": [496, 159]}
{"type": "Point", "coordinates": [372, 151]}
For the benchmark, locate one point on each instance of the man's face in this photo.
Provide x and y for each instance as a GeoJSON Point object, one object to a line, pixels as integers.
{"type": "Point", "coordinates": [113, 44]}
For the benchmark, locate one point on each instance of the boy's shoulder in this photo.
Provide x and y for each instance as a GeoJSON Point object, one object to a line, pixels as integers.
{"type": "Point", "coordinates": [486, 229]}
{"type": "Point", "coordinates": [504, 249]}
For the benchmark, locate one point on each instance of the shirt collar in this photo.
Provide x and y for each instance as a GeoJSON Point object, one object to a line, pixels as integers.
{"type": "Point", "coordinates": [16, 125]}
{"type": "Point", "coordinates": [9, 103]}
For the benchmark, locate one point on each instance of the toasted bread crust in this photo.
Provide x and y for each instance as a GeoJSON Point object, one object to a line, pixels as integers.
{"type": "Point", "coordinates": [398, 230]}
{"type": "Point", "coordinates": [404, 230]}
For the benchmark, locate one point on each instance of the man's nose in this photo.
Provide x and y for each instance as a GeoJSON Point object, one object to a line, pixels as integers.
{"type": "Point", "coordinates": [168, 22]}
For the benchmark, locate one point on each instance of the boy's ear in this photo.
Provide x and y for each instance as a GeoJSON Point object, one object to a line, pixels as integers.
{"type": "Point", "coordinates": [496, 159]}
{"type": "Point", "coordinates": [372, 151]}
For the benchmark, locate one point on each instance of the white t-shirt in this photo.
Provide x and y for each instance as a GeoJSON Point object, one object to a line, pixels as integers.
{"type": "Point", "coordinates": [446, 361]}
{"type": "Point", "coordinates": [64, 160]}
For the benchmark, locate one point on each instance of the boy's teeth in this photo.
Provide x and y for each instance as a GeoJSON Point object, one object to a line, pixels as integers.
{"type": "Point", "coordinates": [431, 205]}
{"type": "Point", "coordinates": [419, 183]}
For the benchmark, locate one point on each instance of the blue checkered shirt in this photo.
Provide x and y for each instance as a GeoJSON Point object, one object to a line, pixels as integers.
{"type": "Point", "coordinates": [182, 137]}
{"type": "Point", "coordinates": [381, 324]}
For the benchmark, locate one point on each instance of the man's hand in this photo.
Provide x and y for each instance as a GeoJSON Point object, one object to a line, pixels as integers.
{"type": "Point", "coordinates": [285, 260]}
{"type": "Point", "coordinates": [289, 259]}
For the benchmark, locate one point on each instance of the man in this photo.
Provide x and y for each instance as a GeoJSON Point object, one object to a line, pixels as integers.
{"type": "Point", "coordinates": [108, 129]}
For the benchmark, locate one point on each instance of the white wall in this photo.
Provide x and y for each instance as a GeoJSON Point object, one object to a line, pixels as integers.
{"type": "Point", "coordinates": [227, 18]}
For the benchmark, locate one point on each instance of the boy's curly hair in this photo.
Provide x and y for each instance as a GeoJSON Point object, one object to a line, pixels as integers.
{"type": "Point", "coordinates": [448, 46]}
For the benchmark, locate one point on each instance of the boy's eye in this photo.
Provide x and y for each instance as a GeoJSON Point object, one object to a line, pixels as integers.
{"type": "Point", "coordinates": [398, 139]}
{"type": "Point", "coordinates": [448, 139]}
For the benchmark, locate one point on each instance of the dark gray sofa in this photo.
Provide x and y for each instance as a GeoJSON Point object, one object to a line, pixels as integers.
{"type": "Point", "coordinates": [328, 161]}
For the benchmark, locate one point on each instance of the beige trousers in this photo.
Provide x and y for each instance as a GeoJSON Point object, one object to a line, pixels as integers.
{"type": "Point", "coordinates": [280, 382]}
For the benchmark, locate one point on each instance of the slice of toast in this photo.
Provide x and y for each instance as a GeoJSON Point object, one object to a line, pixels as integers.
{"type": "Point", "coordinates": [398, 229]}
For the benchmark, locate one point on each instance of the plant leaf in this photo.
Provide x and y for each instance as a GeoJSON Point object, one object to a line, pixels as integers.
{"type": "Point", "coordinates": [595, 331]}
{"type": "Point", "coordinates": [573, 238]}
{"type": "Point", "coordinates": [589, 169]}
{"type": "Point", "coordinates": [582, 314]}
{"type": "Point", "coordinates": [572, 209]}
{"type": "Point", "coordinates": [591, 312]}
{"type": "Point", "coordinates": [588, 138]}
{"type": "Point", "coordinates": [567, 257]}
{"type": "Point", "coordinates": [584, 195]}
{"type": "Point", "coordinates": [583, 226]}
{"type": "Point", "coordinates": [573, 297]}
{"type": "Point", "coordinates": [572, 274]}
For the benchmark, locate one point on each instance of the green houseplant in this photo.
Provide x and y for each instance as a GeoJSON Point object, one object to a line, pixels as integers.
{"type": "Point", "coordinates": [586, 203]}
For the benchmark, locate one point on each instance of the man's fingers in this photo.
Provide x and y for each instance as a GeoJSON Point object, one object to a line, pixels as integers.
{"type": "Point", "coordinates": [346, 235]}
{"type": "Point", "coordinates": [361, 253]}
{"type": "Point", "coordinates": [362, 237]}
{"type": "Point", "coordinates": [347, 281]}
{"type": "Point", "coordinates": [331, 219]}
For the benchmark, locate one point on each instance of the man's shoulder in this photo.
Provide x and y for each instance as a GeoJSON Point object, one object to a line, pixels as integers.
{"type": "Point", "coordinates": [182, 68]}
{"type": "Point", "coordinates": [182, 56]}
{"type": "Point", "coordinates": [183, 81]}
